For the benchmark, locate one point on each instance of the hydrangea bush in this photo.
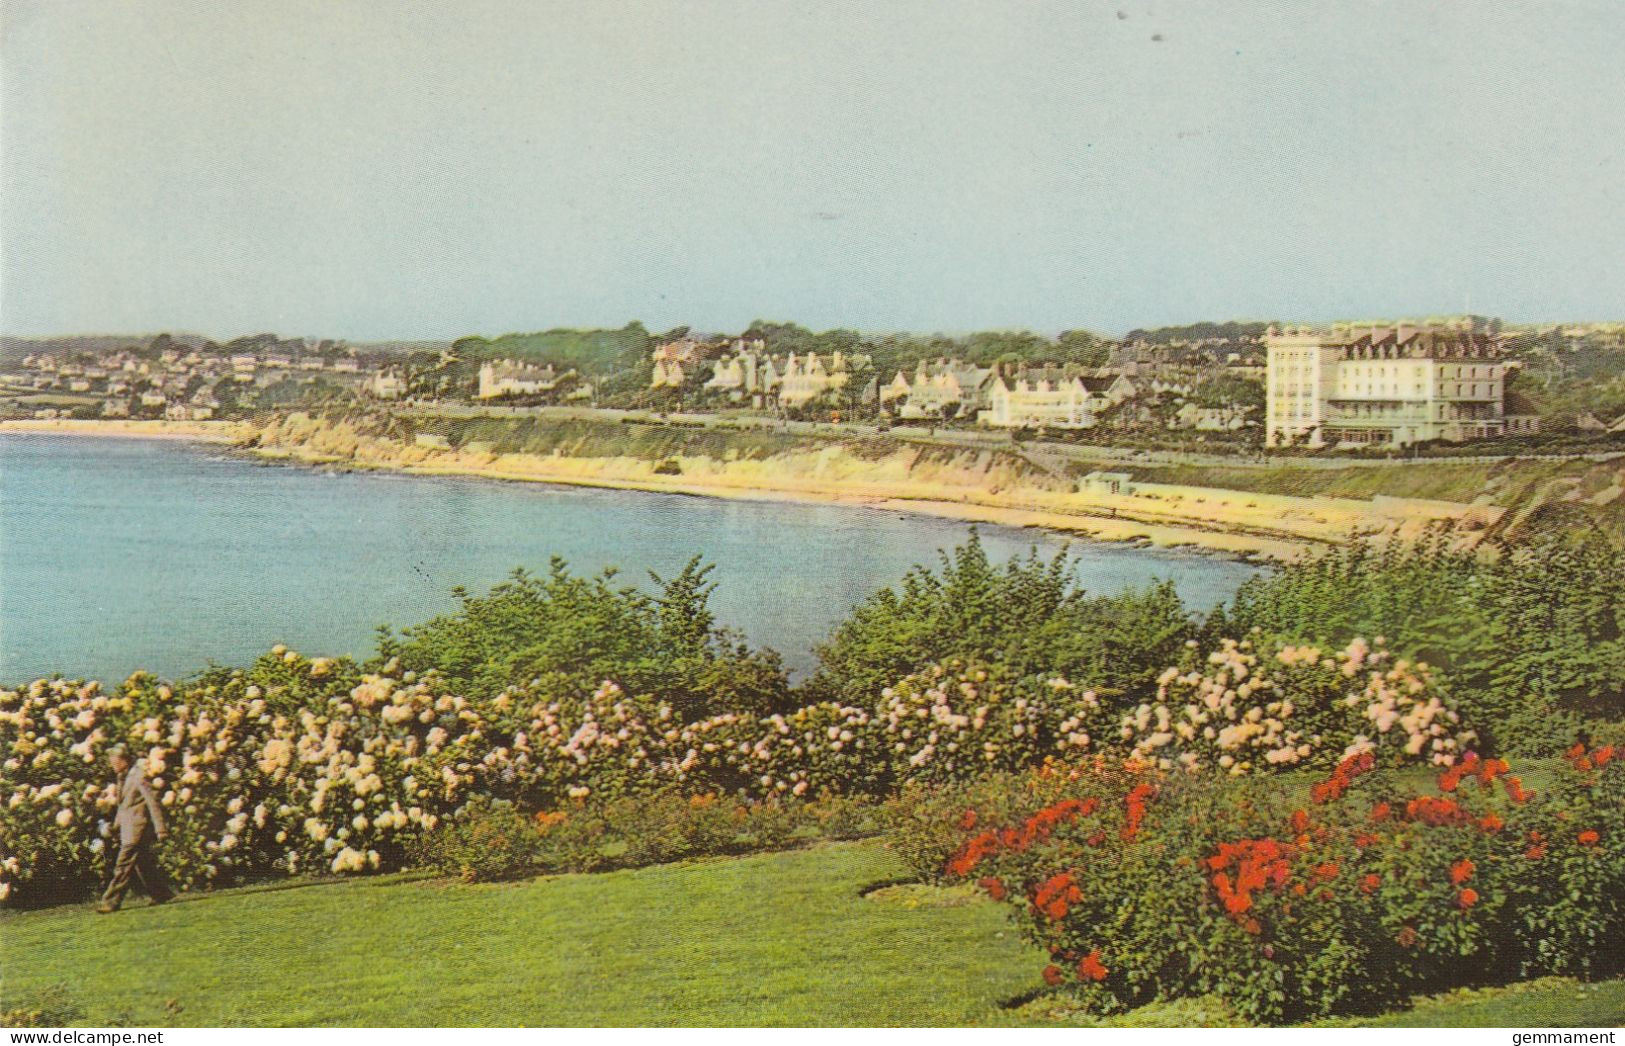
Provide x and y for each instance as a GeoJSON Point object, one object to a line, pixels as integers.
{"type": "Point", "coordinates": [314, 765]}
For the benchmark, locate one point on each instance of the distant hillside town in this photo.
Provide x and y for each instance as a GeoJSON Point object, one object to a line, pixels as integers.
{"type": "Point", "coordinates": [183, 381]}
{"type": "Point", "coordinates": [1368, 386]}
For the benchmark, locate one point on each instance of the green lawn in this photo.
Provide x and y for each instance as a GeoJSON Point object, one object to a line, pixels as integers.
{"type": "Point", "coordinates": [784, 938]}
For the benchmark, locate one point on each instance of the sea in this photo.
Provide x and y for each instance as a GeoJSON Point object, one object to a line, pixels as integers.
{"type": "Point", "coordinates": [124, 554]}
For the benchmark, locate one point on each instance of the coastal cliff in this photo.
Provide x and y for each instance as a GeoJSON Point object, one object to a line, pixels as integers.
{"type": "Point", "coordinates": [1008, 486]}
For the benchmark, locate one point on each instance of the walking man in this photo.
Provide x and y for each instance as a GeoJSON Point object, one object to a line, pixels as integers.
{"type": "Point", "coordinates": [140, 823]}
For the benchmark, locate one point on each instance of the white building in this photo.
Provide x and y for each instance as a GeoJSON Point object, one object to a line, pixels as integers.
{"type": "Point", "coordinates": [513, 378]}
{"type": "Point", "coordinates": [1053, 398]}
{"type": "Point", "coordinates": [1384, 385]}
{"type": "Point", "coordinates": [934, 387]}
{"type": "Point", "coordinates": [808, 377]}
{"type": "Point", "coordinates": [389, 385]}
{"type": "Point", "coordinates": [747, 371]}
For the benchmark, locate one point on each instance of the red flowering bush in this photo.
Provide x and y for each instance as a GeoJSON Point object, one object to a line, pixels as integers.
{"type": "Point", "coordinates": [1143, 884]}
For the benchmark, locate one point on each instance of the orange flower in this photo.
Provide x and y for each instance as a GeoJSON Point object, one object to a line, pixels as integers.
{"type": "Point", "coordinates": [1588, 838]}
{"type": "Point", "coordinates": [1602, 755]}
{"type": "Point", "coordinates": [1300, 821]}
{"type": "Point", "coordinates": [1491, 822]}
{"type": "Point", "coordinates": [1326, 871]}
{"type": "Point", "coordinates": [1090, 969]}
{"type": "Point", "coordinates": [1467, 898]}
{"type": "Point", "coordinates": [1135, 804]}
{"type": "Point", "coordinates": [968, 821]}
{"type": "Point", "coordinates": [1052, 974]}
{"type": "Point", "coordinates": [1056, 895]}
{"type": "Point", "coordinates": [1369, 884]}
{"type": "Point", "coordinates": [994, 887]}
{"type": "Point", "coordinates": [972, 853]}
{"type": "Point", "coordinates": [1436, 811]}
{"type": "Point", "coordinates": [1252, 927]}
{"type": "Point", "coordinates": [1461, 871]}
{"type": "Point", "coordinates": [1342, 776]}
{"type": "Point", "coordinates": [1536, 852]}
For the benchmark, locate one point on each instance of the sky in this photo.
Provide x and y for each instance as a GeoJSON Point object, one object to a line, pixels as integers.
{"type": "Point", "coordinates": [380, 170]}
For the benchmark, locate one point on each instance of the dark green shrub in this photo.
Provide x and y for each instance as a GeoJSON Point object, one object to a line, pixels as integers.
{"type": "Point", "coordinates": [488, 841]}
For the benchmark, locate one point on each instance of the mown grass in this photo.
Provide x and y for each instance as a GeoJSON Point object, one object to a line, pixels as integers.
{"type": "Point", "coordinates": [783, 938]}
{"type": "Point", "coordinates": [771, 939]}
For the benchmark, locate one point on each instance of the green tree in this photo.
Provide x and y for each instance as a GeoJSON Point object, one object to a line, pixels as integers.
{"type": "Point", "coordinates": [1029, 616]}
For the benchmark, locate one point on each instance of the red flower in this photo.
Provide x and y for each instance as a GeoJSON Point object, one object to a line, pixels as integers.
{"type": "Point", "coordinates": [1326, 871]}
{"type": "Point", "coordinates": [1536, 852]}
{"type": "Point", "coordinates": [1090, 969]}
{"type": "Point", "coordinates": [1490, 822]}
{"type": "Point", "coordinates": [994, 887]}
{"type": "Point", "coordinates": [1602, 755]}
{"type": "Point", "coordinates": [1461, 871]}
{"type": "Point", "coordinates": [1342, 776]}
{"type": "Point", "coordinates": [1252, 927]}
{"type": "Point", "coordinates": [971, 854]}
{"type": "Point", "coordinates": [1588, 838]}
{"type": "Point", "coordinates": [1467, 898]}
{"type": "Point", "coordinates": [1380, 812]}
{"type": "Point", "coordinates": [1435, 811]}
{"type": "Point", "coordinates": [1259, 864]}
{"type": "Point", "coordinates": [1300, 821]}
{"type": "Point", "coordinates": [1135, 802]}
{"type": "Point", "coordinates": [1370, 883]}
{"type": "Point", "coordinates": [1576, 752]}
{"type": "Point", "coordinates": [1056, 895]}
{"type": "Point", "coordinates": [1515, 789]}
{"type": "Point", "coordinates": [1052, 974]}
{"type": "Point", "coordinates": [967, 822]}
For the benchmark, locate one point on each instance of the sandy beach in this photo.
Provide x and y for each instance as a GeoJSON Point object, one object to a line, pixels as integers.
{"type": "Point", "coordinates": [117, 428]}
{"type": "Point", "coordinates": [1222, 522]}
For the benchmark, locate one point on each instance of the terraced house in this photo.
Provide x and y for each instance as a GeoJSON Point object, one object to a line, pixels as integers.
{"type": "Point", "coordinates": [1392, 385]}
{"type": "Point", "coordinates": [935, 387]}
{"type": "Point", "coordinates": [810, 376]}
{"type": "Point", "coordinates": [1053, 398]}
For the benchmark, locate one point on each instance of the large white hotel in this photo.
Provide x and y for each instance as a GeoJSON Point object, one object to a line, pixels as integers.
{"type": "Point", "coordinates": [1390, 385]}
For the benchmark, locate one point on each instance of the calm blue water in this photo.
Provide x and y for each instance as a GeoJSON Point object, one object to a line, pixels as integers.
{"type": "Point", "coordinates": [123, 554]}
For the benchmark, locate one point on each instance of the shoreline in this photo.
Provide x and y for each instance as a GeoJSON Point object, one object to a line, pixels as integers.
{"type": "Point", "coordinates": [1221, 544]}
{"type": "Point", "coordinates": [222, 432]}
{"type": "Point", "coordinates": [965, 504]}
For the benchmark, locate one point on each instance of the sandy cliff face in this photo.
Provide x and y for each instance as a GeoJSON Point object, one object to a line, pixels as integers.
{"type": "Point", "coordinates": [994, 485]}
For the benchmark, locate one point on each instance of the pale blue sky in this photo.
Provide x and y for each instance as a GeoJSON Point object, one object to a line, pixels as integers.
{"type": "Point", "coordinates": [379, 170]}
